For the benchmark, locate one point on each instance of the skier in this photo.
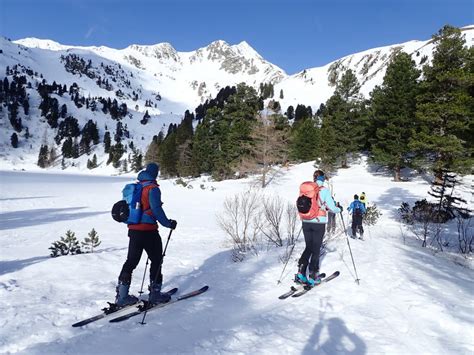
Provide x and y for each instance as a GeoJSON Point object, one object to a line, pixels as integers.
{"type": "Point", "coordinates": [358, 209]}
{"type": "Point", "coordinates": [313, 231]}
{"type": "Point", "coordinates": [145, 236]}
{"type": "Point", "coordinates": [363, 199]}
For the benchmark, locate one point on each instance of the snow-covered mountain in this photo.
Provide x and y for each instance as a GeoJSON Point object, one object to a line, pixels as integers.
{"type": "Point", "coordinates": [164, 82]}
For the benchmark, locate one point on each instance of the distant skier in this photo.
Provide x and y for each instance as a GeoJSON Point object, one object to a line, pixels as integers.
{"type": "Point", "coordinates": [363, 199]}
{"type": "Point", "coordinates": [331, 226]}
{"type": "Point", "coordinates": [145, 236]}
{"type": "Point", "coordinates": [313, 203]}
{"type": "Point", "coordinates": [358, 209]}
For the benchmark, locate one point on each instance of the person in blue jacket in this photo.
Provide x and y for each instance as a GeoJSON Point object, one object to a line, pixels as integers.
{"type": "Point", "coordinates": [144, 236]}
{"type": "Point", "coordinates": [313, 231]}
{"type": "Point", "coordinates": [357, 209]}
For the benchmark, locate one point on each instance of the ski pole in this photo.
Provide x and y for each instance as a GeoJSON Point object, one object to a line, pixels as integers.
{"type": "Point", "coordinates": [156, 276]}
{"type": "Point", "coordinates": [289, 256]}
{"type": "Point", "coordinates": [144, 273]}
{"type": "Point", "coordinates": [350, 250]}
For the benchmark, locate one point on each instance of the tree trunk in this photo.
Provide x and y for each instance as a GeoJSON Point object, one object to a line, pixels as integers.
{"type": "Point", "coordinates": [397, 173]}
{"type": "Point", "coordinates": [344, 163]}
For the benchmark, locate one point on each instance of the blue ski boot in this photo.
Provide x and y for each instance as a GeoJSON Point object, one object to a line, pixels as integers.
{"type": "Point", "coordinates": [122, 298]}
{"type": "Point", "coordinates": [156, 296]}
{"type": "Point", "coordinates": [300, 277]}
{"type": "Point", "coordinates": [314, 279]}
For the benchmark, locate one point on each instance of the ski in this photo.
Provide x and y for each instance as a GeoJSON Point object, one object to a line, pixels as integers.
{"type": "Point", "coordinates": [143, 308]}
{"type": "Point", "coordinates": [295, 289]}
{"type": "Point", "coordinates": [309, 288]}
{"type": "Point", "coordinates": [113, 309]}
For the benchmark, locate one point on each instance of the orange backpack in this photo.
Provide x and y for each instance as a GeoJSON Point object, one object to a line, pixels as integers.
{"type": "Point", "coordinates": [308, 203]}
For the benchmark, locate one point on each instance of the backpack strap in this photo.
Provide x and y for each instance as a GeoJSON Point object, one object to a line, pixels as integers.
{"type": "Point", "coordinates": [145, 199]}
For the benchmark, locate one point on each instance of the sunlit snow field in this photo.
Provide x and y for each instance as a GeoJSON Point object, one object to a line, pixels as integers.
{"type": "Point", "coordinates": [409, 300]}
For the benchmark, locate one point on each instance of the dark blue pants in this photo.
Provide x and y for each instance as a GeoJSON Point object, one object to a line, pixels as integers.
{"type": "Point", "coordinates": [357, 225]}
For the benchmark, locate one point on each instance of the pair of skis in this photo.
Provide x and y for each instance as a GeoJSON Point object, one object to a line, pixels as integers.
{"type": "Point", "coordinates": [139, 307]}
{"type": "Point", "coordinates": [297, 291]}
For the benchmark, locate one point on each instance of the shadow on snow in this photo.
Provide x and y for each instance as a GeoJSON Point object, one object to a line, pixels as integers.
{"type": "Point", "coordinates": [34, 217]}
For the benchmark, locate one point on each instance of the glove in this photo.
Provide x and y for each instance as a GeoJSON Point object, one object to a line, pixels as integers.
{"type": "Point", "coordinates": [173, 224]}
{"type": "Point", "coordinates": [339, 206]}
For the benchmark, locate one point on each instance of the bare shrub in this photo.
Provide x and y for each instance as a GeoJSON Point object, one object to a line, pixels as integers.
{"type": "Point", "coordinates": [241, 221]}
{"type": "Point", "coordinates": [291, 221]}
{"type": "Point", "coordinates": [273, 209]}
{"type": "Point", "coordinates": [291, 216]}
{"type": "Point", "coordinates": [465, 234]}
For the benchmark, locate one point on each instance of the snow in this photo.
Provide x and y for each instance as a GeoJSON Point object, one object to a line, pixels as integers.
{"type": "Point", "coordinates": [410, 300]}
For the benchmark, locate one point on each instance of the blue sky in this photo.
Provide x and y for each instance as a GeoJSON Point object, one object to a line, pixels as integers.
{"type": "Point", "coordinates": [293, 34]}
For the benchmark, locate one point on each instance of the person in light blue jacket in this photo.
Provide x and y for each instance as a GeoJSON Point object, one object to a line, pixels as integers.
{"type": "Point", "coordinates": [313, 231]}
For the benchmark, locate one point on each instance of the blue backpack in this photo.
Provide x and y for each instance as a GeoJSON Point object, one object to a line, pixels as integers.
{"type": "Point", "coordinates": [358, 208]}
{"type": "Point", "coordinates": [129, 209]}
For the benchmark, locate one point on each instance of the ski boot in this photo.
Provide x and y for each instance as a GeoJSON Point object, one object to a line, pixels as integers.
{"type": "Point", "coordinates": [314, 279]}
{"type": "Point", "coordinates": [300, 277]}
{"type": "Point", "coordinates": [122, 298]}
{"type": "Point", "coordinates": [156, 296]}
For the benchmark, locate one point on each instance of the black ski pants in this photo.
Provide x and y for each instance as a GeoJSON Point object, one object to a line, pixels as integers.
{"type": "Point", "coordinates": [313, 237]}
{"type": "Point", "coordinates": [357, 225]}
{"type": "Point", "coordinates": [150, 241]}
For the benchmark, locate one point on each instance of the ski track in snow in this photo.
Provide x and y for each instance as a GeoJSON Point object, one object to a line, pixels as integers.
{"type": "Point", "coordinates": [408, 301]}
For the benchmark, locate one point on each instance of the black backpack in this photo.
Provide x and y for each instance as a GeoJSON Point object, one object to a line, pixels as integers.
{"type": "Point", "coordinates": [120, 211]}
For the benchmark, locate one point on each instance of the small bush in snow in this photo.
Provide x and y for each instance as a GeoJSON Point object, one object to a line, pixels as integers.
{"type": "Point", "coordinates": [91, 242]}
{"type": "Point", "coordinates": [180, 181]}
{"type": "Point", "coordinates": [372, 215]}
{"type": "Point", "coordinates": [66, 245]}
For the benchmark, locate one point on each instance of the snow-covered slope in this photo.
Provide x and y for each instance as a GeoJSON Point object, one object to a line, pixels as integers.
{"type": "Point", "coordinates": [164, 82]}
{"type": "Point", "coordinates": [409, 301]}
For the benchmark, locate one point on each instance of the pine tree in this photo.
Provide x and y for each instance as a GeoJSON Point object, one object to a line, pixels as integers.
{"type": "Point", "coordinates": [107, 142]}
{"type": "Point", "coordinates": [305, 136]}
{"type": "Point", "coordinates": [343, 127]}
{"type": "Point", "coordinates": [137, 160]}
{"type": "Point", "coordinates": [153, 151]}
{"type": "Point", "coordinates": [221, 139]}
{"type": "Point", "coordinates": [14, 140]}
{"type": "Point", "coordinates": [448, 205]}
{"type": "Point", "coordinates": [281, 94]}
{"type": "Point", "coordinates": [91, 242]}
{"type": "Point", "coordinates": [393, 108]}
{"type": "Point", "coordinates": [92, 164]}
{"type": "Point", "coordinates": [145, 118]}
{"type": "Point", "coordinates": [443, 136]}
{"type": "Point", "coordinates": [169, 155]}
{"type": "Point", "coordinates": [43, 156]}
{"type": "Point", "coordinates": [67, 148]}
{"type": "Point", "coordinates": [66, 245]}
{"type": "Point", "coordinates": [290, 112]}
{"type": "Point", "coordinates": [203, 145]}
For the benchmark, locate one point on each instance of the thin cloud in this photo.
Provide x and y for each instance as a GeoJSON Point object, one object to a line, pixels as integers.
{"type": "Point", "coordinates": [90, 32]}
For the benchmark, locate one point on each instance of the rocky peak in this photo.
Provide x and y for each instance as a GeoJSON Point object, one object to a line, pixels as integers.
{"type": "Point", "coordinates": [162, 51]}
